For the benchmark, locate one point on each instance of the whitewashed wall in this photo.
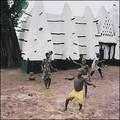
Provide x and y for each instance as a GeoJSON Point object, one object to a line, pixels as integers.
{"type": "Point", "coordinates": [91, 30]}
{"type": "Point", "coordinates": [67, 35]}
{"type": "Point", "coordinates": [114, 16]}
{"type": "Point", "coordinates": [80, 32]}
{"type": "Point", "coordinates": [56, 26]}
{"type": "Point", "coordinates": [38, 41]}
{"type": "Point", "coordinates": [71, 47]}
{"type": "Point", "coordinates": [106, 30]}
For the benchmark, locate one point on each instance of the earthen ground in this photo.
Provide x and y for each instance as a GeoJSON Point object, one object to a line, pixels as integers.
{"type": "Point", "coordinates": [24, 99]}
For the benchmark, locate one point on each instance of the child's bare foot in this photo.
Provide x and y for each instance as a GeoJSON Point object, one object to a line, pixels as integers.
{"type": "Point", "coordinates": [65, 109]}
{"type": "Point", "coordinates": [80, 105]}
{"type": "Point", "coordinates": [89, 80]}
{"type": "Point", "coordinates": [94, 86]}
{"type": "Point", "coordinates": [80, 110]}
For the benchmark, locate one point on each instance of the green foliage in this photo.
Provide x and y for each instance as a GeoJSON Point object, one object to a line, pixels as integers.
{"type": "Point", "coordinates": [4, 24]}
{"type": "Point", "coordinates": [10, 14]}
{"type": "Point", "coordinates": [16, 10]}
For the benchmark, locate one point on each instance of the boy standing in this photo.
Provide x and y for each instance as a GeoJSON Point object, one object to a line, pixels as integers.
{"type": "Point", "coordinates": [46, 69]}
{"type": "Point", "coordinates": [83, 64]}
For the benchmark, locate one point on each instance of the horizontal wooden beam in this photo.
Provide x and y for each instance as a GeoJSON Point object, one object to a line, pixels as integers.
{"type": "Point", "coordinates": [82, 45]}
{"type": "Point", "coordinates": [95, 20]}
{"type": "Point", "coordinates": [49, 40]}
{"type": "Point", "coordinates": [98, 35]}
{"type": "Point", "coordinates": [55, 21]}
{"type": "Point", "coordinates": [73, 33]}
{"type": "Point", "coordinates": [25, 29]}
{"type": "Point", "coordinates": [23, 40]}
{"type": "Point", "coordinates": [72, 18]}
{"type": "Point", "coordinates": [97, 45]}
{"type": "Point", "coordinates": [58, 43]}
{"type": "Point", "coordinates": [35, 39]}
{"type": "Point", "coordinates": [74, 53]}
{"type": "Point", "coordinates": [80, 23]}
{"type": "Point", "coordinates": [75, 43]}
{"type": "Point", "coordinates": [57, 33]}
{"type": "Point", "coordinates": [83, 54]}
{"type": "Point", "coordinates": [58, 54]}
{"type": "Point", "coordinates": [81, 36]}
{"type": "Point", "coordinates": [105, 43]}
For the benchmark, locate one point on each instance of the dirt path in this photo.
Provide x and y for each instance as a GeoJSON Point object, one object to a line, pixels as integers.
{"type": "Point", "coordinates": [21, 98]}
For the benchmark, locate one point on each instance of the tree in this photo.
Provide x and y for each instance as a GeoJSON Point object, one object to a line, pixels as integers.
{"type": "Point", "coordinates": [10, 14]}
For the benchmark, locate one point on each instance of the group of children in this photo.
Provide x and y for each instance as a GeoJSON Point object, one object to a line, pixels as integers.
{"type": "Point", "coordinates": [80, 81]}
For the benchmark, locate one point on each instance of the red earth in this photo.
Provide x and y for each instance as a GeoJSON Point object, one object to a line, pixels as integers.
{"type": "Point", "coordinates": [25, 99]}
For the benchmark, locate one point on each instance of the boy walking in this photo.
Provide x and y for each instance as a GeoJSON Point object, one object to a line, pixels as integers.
{"type": "Point", "coordinates": [95, 66]}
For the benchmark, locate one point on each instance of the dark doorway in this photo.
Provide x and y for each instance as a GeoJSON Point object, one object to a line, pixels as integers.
{"type": "Point", "coordinates": [101, 51]}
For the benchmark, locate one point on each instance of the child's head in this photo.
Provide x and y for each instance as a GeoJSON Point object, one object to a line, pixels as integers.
{"type": "Point", "coordinates": [81, 55]}
{"type": "Point", "coordinates": [47, 55]}
{"type": "Point", "coordinates": [97, 55]}
{"type": "Point", "coordinates": [80, 72]}
{"type": "Point", "coordinates": [84, 61]}
{"type": "Point", "coordinates": [79, 75]}
{"type": "Point", "coordinates": [51, 52]}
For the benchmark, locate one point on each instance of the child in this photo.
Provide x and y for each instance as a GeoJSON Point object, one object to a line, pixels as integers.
{"type": "Point", "coordinates": [46, 69]}
{"type": "Point", "coordinates": [95, 66]}
{"type": "Point", "coordinates": [78, 92]}
{"type": "Point", "coordinates": [83, 64]}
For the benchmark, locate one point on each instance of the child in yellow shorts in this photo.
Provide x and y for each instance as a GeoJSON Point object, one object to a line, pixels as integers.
{"type": "Point", "coordinates": [78, 92]}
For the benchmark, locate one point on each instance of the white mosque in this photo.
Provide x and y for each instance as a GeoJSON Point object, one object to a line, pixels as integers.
{"type": "Point", "coordinates": [68, 35]}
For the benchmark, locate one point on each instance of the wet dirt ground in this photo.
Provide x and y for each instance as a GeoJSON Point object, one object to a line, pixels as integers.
{"type": "Point", "coordinates": [25, 99]}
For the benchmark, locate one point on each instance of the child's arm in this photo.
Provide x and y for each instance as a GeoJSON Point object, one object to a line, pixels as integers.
{"type": "Point", "coordinates": [52, 68]}
{"type": "Point", "coordinates": [69, 78]}
{"type": "Point", "coordinates": [42, 65]}
{"type": "Point", "coordinates": [75, 62]}
{"type": "Point", "coordinates": [88, 83]}
{"type": "Point", "coordinates": [88, 70]}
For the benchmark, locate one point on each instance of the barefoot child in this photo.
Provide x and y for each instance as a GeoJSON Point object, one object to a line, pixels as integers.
{"type": "Point", "coordinates": [83, 64]}
{"type": "Point", "coordinates": [46, 69]}
{"type": "Point", "coordinates": [95, 66]}
{"type": "Point", "coordinates": [78, 92]}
